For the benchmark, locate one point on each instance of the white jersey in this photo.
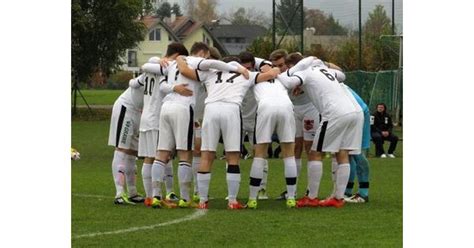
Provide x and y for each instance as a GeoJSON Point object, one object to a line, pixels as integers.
{"type": "Point", "coordinates": [259, 62]}
{"type": "Point", "coordinates": [223, 86]}
{"type": "Point", "coordinates": [325, 92]}
{"type": "Point", "coordinates": [300, 99]}
{"type": "Point", "coordinates": [174, 78]}
{"type": "Point", "coordinates": [132, 97]}
{"type": "Point", "coordinates": [152, 100]}
{"type": "Point", "coordinates": [271, 89]}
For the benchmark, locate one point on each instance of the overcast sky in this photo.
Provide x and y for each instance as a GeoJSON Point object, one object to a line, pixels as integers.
{"type": "Point", "coordinates": [346, 11]}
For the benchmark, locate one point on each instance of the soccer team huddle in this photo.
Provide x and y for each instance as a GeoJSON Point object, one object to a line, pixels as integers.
{"type": "Point", "coordinates": [186, 102]}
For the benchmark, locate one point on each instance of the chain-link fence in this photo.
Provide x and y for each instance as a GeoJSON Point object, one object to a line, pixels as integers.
{"type": "Point", "coordinates": [379, 87]}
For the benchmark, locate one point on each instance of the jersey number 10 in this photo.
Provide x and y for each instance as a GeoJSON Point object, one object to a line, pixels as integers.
{"type": "Point", "coordinates": [149, 86]}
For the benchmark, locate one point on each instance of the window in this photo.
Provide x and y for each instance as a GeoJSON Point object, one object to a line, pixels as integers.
{"type": "Point", "coordinates": [155, 34]}
{"type": "Point", "coordinates": [132, 59]}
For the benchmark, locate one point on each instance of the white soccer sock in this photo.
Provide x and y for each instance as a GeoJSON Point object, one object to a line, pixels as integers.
{"type": "Point", "coordinates": [169, 177]}
{"type": "Point", "coordinates": [131, 174]}
{"type": "Point", "coordinates": [146, 176]}
{"type": "Point", "coordinates": [256, 175]}
{"type": "Point", "coordinates": [196, 164]}
{"type": "Point", "coordinates": [298, 172]}
{"type": "Point", "coordinates": [263, 184]}
{"type": "Point", "coordinates": [334, 167]}
{"type": "Point", "coordinates": [203, 179]}
{"type": "Point", "coordinates": [185, 177]}
{"type": "Point", "coordinates": [157, 175]}
{"type": "Point", "coordinates": [233, 182]}
{"type": "Point", "coordinates": [290, 176]}
{"type": "Point", "coordinates": [315, 172]}
{"type": "Point", "coordinates": [342, 177]}
{"type": "Point", "coordinates": [118, 172]}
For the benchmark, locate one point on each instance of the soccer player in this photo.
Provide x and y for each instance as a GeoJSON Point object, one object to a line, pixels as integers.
{"type": "Point", "coordinates": [274, 114]}
{"type": "Point", "coordinates": [149, 122]}
{"type": "Point", "coordinates": [123, 135]}
{"type": "Point", "coordinates": [338, 131]}
{"type": "Point", "coordinates": [359, 163]}
{"type": "Point", "coordinates": [249, 111]}
{"type": "Point", "coordinates": [201, 96]}
{"type": "Point", "coordinates": [226, 90]}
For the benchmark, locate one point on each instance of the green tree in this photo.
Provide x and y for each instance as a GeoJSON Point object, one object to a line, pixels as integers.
{"type": "Point", "coordinates": [248, 16]}
{"type": "Point", "coordinates": [147, 8]}
{"type": "Point", "coordinates": [286, 14]}
{"type": "Point", "coordinates": [202, 10]}
{"type": "Point", "coordinates": [164, 10]}
{"type": "Point", "coordinates": [176, 9]}
{"type": "Point", "coordinates": [101, 33]}
{"type": "Point", "coordinates": [379, 53]}
{"type": "Point", "coordinates": [323, 24]}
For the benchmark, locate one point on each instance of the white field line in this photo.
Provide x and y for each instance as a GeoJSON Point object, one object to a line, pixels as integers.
{"type": "Point", "coordinates": [197, 214]}
{"type": "Point", "coordinates": [92, 196]}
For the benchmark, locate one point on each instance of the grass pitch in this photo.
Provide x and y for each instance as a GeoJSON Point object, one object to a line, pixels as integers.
{"type": "Point", "coordinates": [375, 224]}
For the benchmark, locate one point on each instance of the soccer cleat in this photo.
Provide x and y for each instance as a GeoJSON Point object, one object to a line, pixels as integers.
{"type": "Point", "coordinates": [307, 202]}
{"type": "Point", "coordinates": [122, 200]}
{"type": "Point", "coordinates": [282, 196]}
{"type": "Point", "coordinates": [357, 199]}
{"type": "Point", "coordinates": [172, 197]}
{"type": "Point", "coordinates": [262, 194]}
{"type": "Point", "coordinates": [391, 156]}
{"type": "Point", "coordinates": [290, 203]}
{"type": "Point", "coordinates": [383, 156]}
{"type": "Point", "coordinates": [203, 205]}
{"type": "Point", "coordinates": [185, 204]}
{"type": "Point", "coordinates": [235, 205]}
{"type": "Point", "coordinates": [136, 198]}
{"type": "Point", "coordinates": [247, 156]}
{"type": "Point", "coordinates": [332, 202]}
{"type": "Point", "coordinates": [251, 204]}
{"type": "Point", "coordinates": [148, 201]}
{"type": "Point", "coordinates": [196, 197]}
{"type": "Point", "coordinates": [158, 203]}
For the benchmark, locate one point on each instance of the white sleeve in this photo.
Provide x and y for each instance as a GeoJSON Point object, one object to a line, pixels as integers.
{"type": "Point", "coordinates": [301, 65]}
{"type": "Point", "coordinates": [155, 69]}
{"type": "Point", "coordinates": [291, 82]}
{"type": "Point", "coordinates": [137, 82]}
{"type": "Point", "coordinates": [165, 87]}
{"type": "Point", "coordinates": [259, 62]}
{"type": "Point", "coordinates": [207, 64]}
{"type": "Point", "coordinates": [253, 77]}
{"type": "Point", "coordinates": [340, 76]}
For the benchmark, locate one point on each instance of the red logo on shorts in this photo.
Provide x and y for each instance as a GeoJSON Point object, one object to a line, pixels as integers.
{"type": "Point", "coordinates": [308, 124]}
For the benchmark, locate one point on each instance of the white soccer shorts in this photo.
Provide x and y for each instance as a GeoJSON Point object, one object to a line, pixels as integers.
{"type": "Point", "coordinates": [176, 127]}
{"type": "Point", "coordinates": [147, 143]}
{"type": "Point", "coordinates": [307, 121]}
{"type": "Point", "coordinates": [124, 124]}
{"type": "Point", "coordinates": [220, 117]}
{"type": "Point", "coordinates": [275, 116]}
{"type": "Point", "coordinates": [342, 133]}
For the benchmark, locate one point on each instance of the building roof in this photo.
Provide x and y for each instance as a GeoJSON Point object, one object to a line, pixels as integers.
{"type": "Point", "coordinates": [238, 31]}
{"type": "Point", "coordinates": [151, 21]}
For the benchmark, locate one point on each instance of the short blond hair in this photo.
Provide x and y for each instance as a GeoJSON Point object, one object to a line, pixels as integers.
{"type": "Point", "coordinates": [215, 54]}
{"type": "Point", "coordinates": [278, 54]}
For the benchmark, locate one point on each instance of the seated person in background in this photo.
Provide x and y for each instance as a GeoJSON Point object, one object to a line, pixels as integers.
{"type": "Point", "coordinates": [381, 130]}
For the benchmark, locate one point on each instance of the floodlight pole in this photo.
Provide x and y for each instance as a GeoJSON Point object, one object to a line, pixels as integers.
{"type": "Point", "coordinates": [274, 26]}
{"type": "Point", "coordinates": [360, 34]}
{"type": "Point", "coordinates": [393, 17]}
{"type": "Point", "coordinates": [302, 28]}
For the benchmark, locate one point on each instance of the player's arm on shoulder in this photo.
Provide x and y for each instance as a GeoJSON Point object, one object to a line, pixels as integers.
{"type": "Point", "coordinates": [293, 81]}
{"type": "Point", "coordinates": [166, 87]}
{"type": "Point", "coordinates": [185, 69]}
{"type": "Point", "coordinates": [154, 68]}
{"type": "Point", "coordinates": [302, 65]}
{"type": "Point", "coordinates": [340, 76]}
{"type": "Point", "coordinates": [261, 63]}
{"type": "Point", "coordinates": [266, 76]}
{"type": "Point", "coordinates": [137, 82]}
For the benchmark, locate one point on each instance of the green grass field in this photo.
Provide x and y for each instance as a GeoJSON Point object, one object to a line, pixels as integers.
{"type": "Point", "coordinates": [98, 97]}
{"type": "Point", "coordinates": [375, 224]}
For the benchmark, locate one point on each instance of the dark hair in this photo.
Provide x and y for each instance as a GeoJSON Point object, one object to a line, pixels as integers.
{"type": "Point", "coordinates": [293, 58]}
{"type": "Point", "coordinates": [246, 57]}
{"type": "Point", "coordinates": [231, 58]}
{"type": "Point", "coordinates": [278, 54]}
{"type": "Point", "coordinates": [384, 107]}
{"type": "Point", "coordinates": [199, 46]}
{"type": "Point", "coordinates": [176, 47]}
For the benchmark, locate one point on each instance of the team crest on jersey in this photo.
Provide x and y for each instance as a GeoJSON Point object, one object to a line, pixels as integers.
{"type": "Point", "coordinates": [308, 124]}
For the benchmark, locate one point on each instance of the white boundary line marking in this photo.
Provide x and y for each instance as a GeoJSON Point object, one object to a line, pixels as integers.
{"type": "Point", "coordinates": [92, 196]}
{"type": "Point", "coordinates": [197, 214]}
